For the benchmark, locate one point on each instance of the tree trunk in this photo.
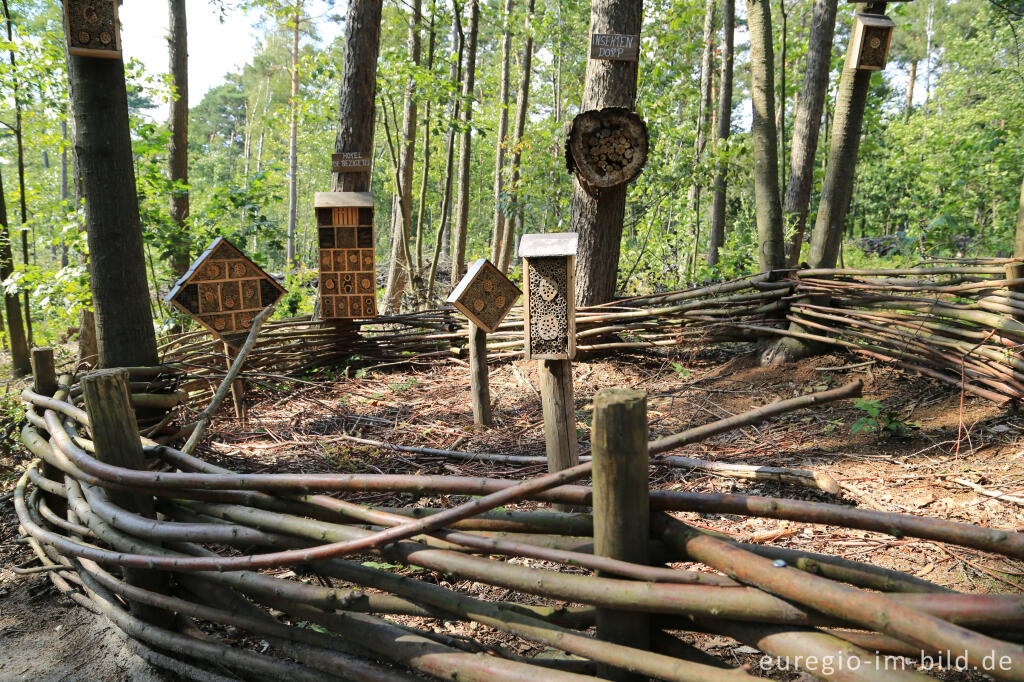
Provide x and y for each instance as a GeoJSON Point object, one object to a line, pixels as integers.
{"type": "Point", "coordinates": [840, 172]}
{"type": "Point", "coordinates": [401, 203]}
{"type": "Point", "coordinates": [65, 188]}
{"type": "Point", "coordinates": [20, 144]}
{"type": "Point", "coordinates": [1018, 242]}
{"type": "Point", "coordinates": [808, 122]}
{"type": "Point", "coordinates": [20, 362]}
{"type": "Point", "coordinates": [703, 116]}
{"type": "Point", "coordinates": [177, 148]}
{"type": "Point", "coordinates": [768, 207]}
{"type": "Point", "coordinates": [293, 145]}
{"type": "Point", "coordinates": [717, 235]}
{"type": "Point", "coordinates": [912, 77]}
{"type": "Point", "coordinates": [497, 247]}
{"type": "Point", "coordinates": [427, 122]}
{"type": "Point", "coordinates": [358, 90]}
{"type": "Point", "coordinates": [465, 149]}
{"type": "Point", "coordinates": [117, 267]}
{"type": "Point", "coordinates": [522, 105]}
{"type": "Point", "coordinates": [598, 220]}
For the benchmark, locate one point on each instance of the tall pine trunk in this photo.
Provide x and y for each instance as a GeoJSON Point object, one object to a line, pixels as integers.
{"type": "Point", "coordinates": [522, 106]}
{"type": "Point", "coordinates": [837, 190]}
{"type": "Point", "coordinates": [401, 203]}
{"type": "Point", "coordinates": [703, 117]}
{"type": "Point", "coordinates": [808, 122]}
{"type": "Point", "coordinates": [19, 141]}
{"type": "Point", "coordinates": [716, 237]}
{"type": "Point", "coordinates": [598, 220]}
{"type": "Point", "coordinates": [358, 90]}
{"type": "Point", "coordinates": [427, 122]}
{"type": "Point", "coordinates": [293, 144]}
{"type": "Point", "coordinates": [177, 148]}
{"type": "Point", "coordinates": [117, 266]}
{"type": "Point", "coordinates": [768, 206]}
{"type": "Point", "coordinates": [501, 140]}
{"type": "Point", "coordinates": [465, 148]}
{"type": "Point", "coordinates": [20, 363]}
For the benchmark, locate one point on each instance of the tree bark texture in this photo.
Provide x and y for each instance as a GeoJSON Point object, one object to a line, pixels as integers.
{"type": "Point", "coordinates": [808, 122]}
{"type": "Point", "coordinates": [465, 149]}
{"type": "Point", "coordinates": [501, 139]}
{"type": "Point", "coordinates": [20, 360]}
{"type": "Point", "coordinates": [19, 140]}
{"type": "Point", "coordinates": [703, 117]}
{"type": "Point", "coordinates": [716, 237]}
{"type": "Point", "coordinates": [768, 206]}
{"type": "Point", "coordinates": [401, 202]}
{"type": "Point", "coordinates": [598, 220]}
{"type": "Point", "coordinates": [177, 148]}
{"type": "Point", "coordinates": [841, 169]}
{"type": "Point", "coordinates": [522, 106]}
{"type": "Point", "coordinates": [293, 144]}
{"type": "Point", "coordinates": [117, 266]}
{"type": "Point", "coordinates": [911, 79]}
{"type": "Point", "coordinates": [358, 90]}
{"type": "Point", "coordinates": [1018, 242]}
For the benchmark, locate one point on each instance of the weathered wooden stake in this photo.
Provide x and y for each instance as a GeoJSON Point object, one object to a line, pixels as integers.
{"type": "Point", "coordinates": [559, 408]}
{"type": "Point", "coordinates": [88, 350]}
{"type": "Point", "coordinates": [237, 386]}
{"type": "Point", "coordinates": [44, 382]}
{"type": "Point", "coordinates": [621, 505]}
{"type": "Point", "coordinates": [116, 438]}
{"type": "Point", "coordinates": [478, 379]}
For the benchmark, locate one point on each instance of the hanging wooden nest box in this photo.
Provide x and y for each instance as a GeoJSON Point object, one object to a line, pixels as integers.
{"type": "Point", "coordinates": [224, 290]}
{"type": "Point", "coordinates": [870, 40]}
{"type": "Point", "coordinates": [549, 275]}
{"type": "Point", "coordinates": [348, 275]}
{"type": "Point", "coordinates": [485, 295]}
{"type": "Point", "coordinates": [92, 28]}
{"type": "Point", "coordinates": [606, 147]}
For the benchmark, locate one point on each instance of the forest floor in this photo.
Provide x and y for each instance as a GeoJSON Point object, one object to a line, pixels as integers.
{"type": "Point", "coordinates": [303, 427]}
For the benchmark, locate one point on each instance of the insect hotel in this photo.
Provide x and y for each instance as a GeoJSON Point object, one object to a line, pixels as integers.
{"type": "Point", "coordinates": [485, 295]}
{"type": "Point", "coordinates": [869, 42]}
{"type": "Point", "coordinates": [224, 290]}
{"type": "Point", "coordinates": [347, 270]}
{"type": "Point", "coordinates": [549, 263]}
{"type": "Point", "coordinates": [93, 29]}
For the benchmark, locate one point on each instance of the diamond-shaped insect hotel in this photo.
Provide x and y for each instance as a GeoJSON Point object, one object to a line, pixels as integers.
{"type": "Point", "coordinates": [92, 28]}
{"type": "Point", "coordinates": [224, 290]}
{"type": "Point", "coordinates": [348, 285]}
{"type": "Point", "coordinates": [485, 295]}
{"type": "Point", "coordinates": [549, 263]}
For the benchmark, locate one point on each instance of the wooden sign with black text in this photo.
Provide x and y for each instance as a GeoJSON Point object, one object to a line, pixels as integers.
{"type": "Point", "coordinates": [621, 48]}
{"type": "Point", "coordinates": [351, 162]}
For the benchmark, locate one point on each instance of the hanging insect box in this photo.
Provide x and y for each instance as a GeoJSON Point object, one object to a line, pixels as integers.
{"type": "Point", "coordinates": [348, 275]}
{"type": "Point", "coordinates": [549, 264]}
{"type": "Point", "coordinates": [92, 28]}
{"type": "Point", "coordinates": [485, 295]}
{"type": "Point", "coordinates": [870, 40]}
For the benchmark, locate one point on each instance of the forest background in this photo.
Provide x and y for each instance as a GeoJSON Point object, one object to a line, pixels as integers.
{"type": "Point", "coordinates": [939, 171]}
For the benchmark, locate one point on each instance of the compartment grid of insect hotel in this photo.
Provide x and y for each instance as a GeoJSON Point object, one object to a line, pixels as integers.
{"type": "Point", "coordinates": [224, 290]}
{"type": "Point", "coordinates": [347, 269]}
{"type": "Point", "coordinates": [549, 263]}
{"type": "Point", "coordinates": [92, 28]}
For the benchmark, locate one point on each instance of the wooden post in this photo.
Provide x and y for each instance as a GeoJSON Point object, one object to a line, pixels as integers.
{"type": "Point", "coordinates": [559, 409]}
{"type": "Point", "coordinates": [621, 505]}
{"type": "Point", "coordinates": [237, 386]}
{"type": "Point", "coordinates": [116, 437]}
{"type": "Point", "coordinates": [1015, 271]}
{"type": "Point", "coordinates": [478, 378]}
{"type": "Point", "coordinates": [87, 347]}
{"type": "Point", "coordinates": [44, 382]}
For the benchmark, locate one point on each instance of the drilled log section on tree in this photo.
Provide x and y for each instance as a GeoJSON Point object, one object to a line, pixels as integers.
{"type": "Point", "coordinates": [606, 147]}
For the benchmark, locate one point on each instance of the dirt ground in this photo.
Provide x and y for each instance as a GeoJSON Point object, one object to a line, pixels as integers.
{"type": "Point", "coordinates": [940, 435]}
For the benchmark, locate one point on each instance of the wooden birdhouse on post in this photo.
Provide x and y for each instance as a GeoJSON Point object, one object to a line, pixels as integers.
{"type": "Point", "coordinates": [869, 42]}
{"type": "Point", "coordinates": [92, 28]}
{"type": "Point", "coordinates": [549, 265]}
{"type": "Point", "coordinates": [485, 296]}
{"type": "Point", "coordinates": [348, 275]}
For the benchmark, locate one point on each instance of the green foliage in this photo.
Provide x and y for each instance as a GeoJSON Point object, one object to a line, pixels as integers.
{"type": "Point", "coordinates": [878, 419]}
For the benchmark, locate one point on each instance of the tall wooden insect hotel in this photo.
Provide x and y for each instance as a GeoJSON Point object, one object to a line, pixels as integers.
{"type": "Point", "coordinates": [348, 284]}
{"type": "Point", "coordinates": [92, 28]}
{"type": "Point", "coordinates": [869, 42]}
{"type": "Point", "coordinates": [549, 263]}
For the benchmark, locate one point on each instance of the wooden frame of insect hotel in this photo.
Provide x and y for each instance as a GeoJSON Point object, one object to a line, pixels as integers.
{"type": "Point", "coordinates": [92, 28]}
{"type": "Point", "coordinates": [549, 264]}
{"type": "Point", "coordinates": [485, 295]}
{"type": "Point", "coordinates": [348, 275]}
{"type": "Point", "coordinates": [870, 41]}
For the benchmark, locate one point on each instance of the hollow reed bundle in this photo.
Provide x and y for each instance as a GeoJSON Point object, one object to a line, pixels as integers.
{"type": "Point", "coordinates": [202, 554]}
